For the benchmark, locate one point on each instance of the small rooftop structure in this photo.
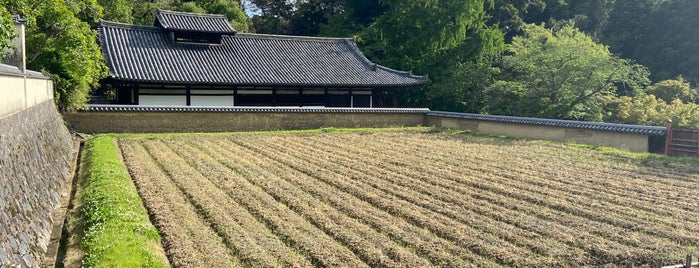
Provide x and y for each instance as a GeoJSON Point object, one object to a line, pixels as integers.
{"type": "Point", "coordinates": [199, 60]}
{"type": "Point", "coordinates": [191, 22]}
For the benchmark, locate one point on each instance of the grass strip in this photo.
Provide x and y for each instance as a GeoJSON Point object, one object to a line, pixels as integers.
{"type": "Point", "coordinates": [118, 232]}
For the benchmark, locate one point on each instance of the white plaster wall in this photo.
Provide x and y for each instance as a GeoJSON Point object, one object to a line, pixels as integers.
{"type": "Point", "coordinates": [211, 100]}
{"type": "Point", "coordinates": [38, 91]}
{"type": "Point", "coordinates": [12, 95]}
{"type": "Point", "coordinates": [18, 93]}
{"type": "Point", "coordinates": [162, 100]}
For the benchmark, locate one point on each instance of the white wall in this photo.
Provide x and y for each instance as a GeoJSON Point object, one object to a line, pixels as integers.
{"type": "Point", "coordinates": [211, 100]}
{"type": "Point", "coordinates": [162, 100]}
{"type": "Point", "coordinates": [19, 92]}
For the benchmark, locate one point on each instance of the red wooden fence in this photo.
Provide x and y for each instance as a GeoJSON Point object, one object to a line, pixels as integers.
{"type": "Point", "coordinates": [681, 141]}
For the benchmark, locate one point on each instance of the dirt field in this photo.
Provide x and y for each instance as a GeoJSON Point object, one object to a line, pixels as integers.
{"type": "Point", "coordinates": [409, 198]}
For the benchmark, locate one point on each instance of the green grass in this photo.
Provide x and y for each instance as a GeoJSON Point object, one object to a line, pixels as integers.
{"type": "Point", "coordinates": [118, 232]}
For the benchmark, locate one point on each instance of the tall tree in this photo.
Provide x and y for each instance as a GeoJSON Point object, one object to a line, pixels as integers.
{"type": "Point", "coordinates": [353, 17]}
{"type": "Point", "coordinates": [436, 38]}
{"type": "Point", "coordinates": [659, 34]}
{"type": "Point", "coordinates": [673, 89]}
{"type": "Point", "coordinates": [118, 10]}
{"type": "Point", "coordinates": [61, 44]}
{"type": "Point", "coordinates": [309, 15]}
{"type": "Point", "coordinates": [274, 16]}
{"type": "Point", "coordinates": [590, 16]}
{"type": "Point", "coordinates": [6, 32]}
{"type": "Point", "coordinates": [560, 74]}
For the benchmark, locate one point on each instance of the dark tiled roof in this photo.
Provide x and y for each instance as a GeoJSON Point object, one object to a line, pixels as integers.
{"type": "Point", "coordinates": [147, 54]}
{"type": "Point", "coordinates": [239, 109]}
{"type": "Point", "coordinates": [191, 22]}
{"type": "Point", "coordinates": [623, 128]}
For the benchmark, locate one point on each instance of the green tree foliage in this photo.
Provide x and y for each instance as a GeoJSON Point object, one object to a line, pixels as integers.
{"type": "Point", "coordinates": [559, 74]}
{"type": "Point", "coordinates": [6, 32]}
{"type": "Point", "coordinates": [61, 44]}
{"type": "Point", "coordinates": [353, 17]}
{"type": "Point", "coordinates": [673, 89]}
{"type": "Point", "coordinates": [650, 110]}
{"type": "Point", "coordinates": [659, 34]}
{"type": "Point", "coordinates": [117, 10]}
{"type": "Point", "coordinates": [311, 14]}
{"type": "Point", "coordinates": [448, 40]}
{"type": "Point", "coordinates": [274, 16]}
{"type": "Point", "coordinates": [589, 16]}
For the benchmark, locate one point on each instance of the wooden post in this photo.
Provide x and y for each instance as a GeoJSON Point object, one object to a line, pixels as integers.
{"type": "Point", "coordinates": [300, 97]}
{"type": "Point", "coordinates": [274, 96]}
{"type": "Point", "coordinates": [668, 138]}
{"type": "Point", "coordinates": [188, 96]}
{"type": "Point", "coordinates": [688, 261]}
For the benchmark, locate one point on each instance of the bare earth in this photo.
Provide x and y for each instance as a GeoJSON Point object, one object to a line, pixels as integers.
{"type": "Point", "coordinates": [409, 198]}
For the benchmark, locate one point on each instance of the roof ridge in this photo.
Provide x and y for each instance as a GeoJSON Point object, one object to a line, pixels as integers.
{"type": "Point", "coordinates": [373, 66]}
{"type": "Point", "coordinates": [116, 24]}
{"type": "Point", "coordinates": [294, 37]}
{"type": "Point", "coordinates": [164, 11]}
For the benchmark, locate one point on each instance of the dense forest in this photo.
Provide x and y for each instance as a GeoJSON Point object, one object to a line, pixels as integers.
{"type": "Point", "coordinates": [627, 61]}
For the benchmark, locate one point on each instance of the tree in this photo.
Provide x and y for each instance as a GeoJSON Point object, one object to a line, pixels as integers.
{"type": "Point", "coordinates": [589, 16]}
{"type": "Point", "coordinates": [659, 34]}
{"type": "Point", "coordinates": [62, 45]}
{"type": "Point", "coordinates": [118, 10]}
{"type": "Point", "coordinates": [6, 32]}
{"type": "Point", "coordinates": [311, 14]}
{"type": "Point", "coordinates": [559, 74]}
{"type": "Point", "coordinates": [649, 110]}
{"type": "Point", "coordinates": [274, 18]}
{"type": "Point", "coordinates": [673, 89]}
{"type": "Point", "coordinates": [443, 39]}
{"type": "Point", "coordinates": [352, 17]}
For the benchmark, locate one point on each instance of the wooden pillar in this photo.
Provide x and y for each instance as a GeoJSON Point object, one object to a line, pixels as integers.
{"type": "Point", "coordinates": [274, 96]}
{"type": "Point", "coordinates": [351, 97]}
{"type": "Point", "coordinates": [668, 138]}
{"type": "Point", "coordinates": [300, 97]}
{"type": "Point", "coordinates": [188, 93]}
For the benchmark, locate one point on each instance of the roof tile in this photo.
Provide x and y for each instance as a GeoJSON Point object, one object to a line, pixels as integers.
{"type": "Point", "coordinates": [147, 54]}
{"type": "Point", "coordinates": [191, 22]}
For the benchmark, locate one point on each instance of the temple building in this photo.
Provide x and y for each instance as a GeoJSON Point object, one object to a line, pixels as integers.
{"type": "Point", "coordinates": [189, 59]}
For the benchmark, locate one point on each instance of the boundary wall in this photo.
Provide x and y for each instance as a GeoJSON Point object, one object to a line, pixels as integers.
{"type": "Point", "coordinates": [35, 158]}
{"type": "Point", "coordinates": [160, 119]}
{"type": "Point", "coordinates": [145, 119]}
{"type": "Point", "coordinates": [634, 138]}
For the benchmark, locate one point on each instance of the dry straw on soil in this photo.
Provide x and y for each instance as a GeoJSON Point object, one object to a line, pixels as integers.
{"type": "Point", "coordinates": [408, 198]}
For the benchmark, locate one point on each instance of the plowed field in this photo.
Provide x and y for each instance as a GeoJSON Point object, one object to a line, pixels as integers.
{"type": "Point", "coordinates": [409, 198]}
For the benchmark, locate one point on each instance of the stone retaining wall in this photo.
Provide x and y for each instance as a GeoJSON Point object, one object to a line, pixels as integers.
{"type": "Point", "coordinates": [35, 152]}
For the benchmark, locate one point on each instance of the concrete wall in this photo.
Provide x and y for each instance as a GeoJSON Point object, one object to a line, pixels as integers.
{"type": "Point", "coordinates": [161, 122]}
{"type": "Point", "coordinates": [35, 152]}
{"type": "Point", "coordinates": [625, 141]}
